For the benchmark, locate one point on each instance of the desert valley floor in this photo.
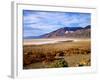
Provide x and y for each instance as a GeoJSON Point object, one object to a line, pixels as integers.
{"type": "Point", "coordinates": [56, 53]}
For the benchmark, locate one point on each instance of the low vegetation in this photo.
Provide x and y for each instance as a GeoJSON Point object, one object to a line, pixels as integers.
{"type": "Point", "coordinates": [64, 54]}
{"type": "Point", "coordinates": [59, 63]}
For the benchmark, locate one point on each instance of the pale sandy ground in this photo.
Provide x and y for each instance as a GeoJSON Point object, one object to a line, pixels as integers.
{"type": "Point", "coordinates": [49, 41]}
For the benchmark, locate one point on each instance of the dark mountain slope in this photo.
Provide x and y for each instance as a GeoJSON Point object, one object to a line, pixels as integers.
{"type": "Point", "coordinates": [70, 32]}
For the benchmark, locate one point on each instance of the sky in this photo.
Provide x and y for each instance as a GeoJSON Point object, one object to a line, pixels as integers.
{"type": "Point", "coordinates": [36, 23]}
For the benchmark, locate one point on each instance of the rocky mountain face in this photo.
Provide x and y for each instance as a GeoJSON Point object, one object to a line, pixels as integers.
{"type": "Point", "coordinates": [69, 32]}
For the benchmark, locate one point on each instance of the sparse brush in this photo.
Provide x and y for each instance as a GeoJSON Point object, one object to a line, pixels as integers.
{"type": "Point", "coordinates": [48, 52]}
{"type": "Point", "coordinates": [59, 63]}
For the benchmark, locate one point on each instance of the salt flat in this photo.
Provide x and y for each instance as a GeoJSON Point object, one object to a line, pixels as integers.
{"type": "Point", "coordinates": [50, 41]}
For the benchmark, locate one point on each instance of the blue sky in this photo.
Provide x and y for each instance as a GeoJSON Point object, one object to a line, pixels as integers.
{"type": "Point", "coordinates": [37, 23]}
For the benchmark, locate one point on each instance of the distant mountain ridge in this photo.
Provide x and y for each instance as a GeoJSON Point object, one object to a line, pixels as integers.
{"type": "Point", "coordinates": [69, 32]}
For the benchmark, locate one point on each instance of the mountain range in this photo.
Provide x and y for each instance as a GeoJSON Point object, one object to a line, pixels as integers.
{"type": "Point", "coordinates": [68, 32]}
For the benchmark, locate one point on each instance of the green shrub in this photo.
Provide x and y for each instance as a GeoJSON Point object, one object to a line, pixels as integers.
{"type": "Point", "coordinates": [59, 63]}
